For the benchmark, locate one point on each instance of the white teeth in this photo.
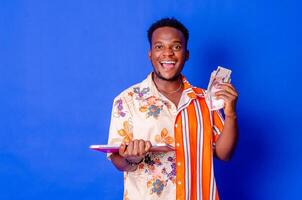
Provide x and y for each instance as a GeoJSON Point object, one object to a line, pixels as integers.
{"type": "Point", "coordinates": [168, 62]}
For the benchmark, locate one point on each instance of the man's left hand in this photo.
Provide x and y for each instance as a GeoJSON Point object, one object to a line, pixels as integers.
{"type": "Point", "coordinates": [229, 94]}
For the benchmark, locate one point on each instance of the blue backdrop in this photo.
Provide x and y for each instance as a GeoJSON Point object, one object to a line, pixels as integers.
{"type": "Point", "coordinates": [63, 62]}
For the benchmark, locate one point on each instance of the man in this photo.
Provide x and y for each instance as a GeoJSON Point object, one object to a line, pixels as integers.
{"type": "Point", "coordinates": [165, 108]}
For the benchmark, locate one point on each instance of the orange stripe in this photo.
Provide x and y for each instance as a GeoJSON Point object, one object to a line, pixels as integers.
{"type": "Point", "coordinates": [207, 150]}
{"type": "Point", "coordinates": [217, 121]}
{"type": "Point", "coordinates": [217, 195]}
{"type": "Point", "coordinates": [193, 147]}
{"type": "Point", "coordinates": [180, 170]}
{"type": "Point", "coordinates": [215, 138]}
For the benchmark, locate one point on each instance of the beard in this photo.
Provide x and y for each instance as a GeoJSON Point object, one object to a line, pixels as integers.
{"type": "Point", "coordinates": [158, 75]}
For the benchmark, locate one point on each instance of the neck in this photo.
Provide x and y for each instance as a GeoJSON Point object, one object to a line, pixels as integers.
{"type": "Point", "coordinates": [168, 86]}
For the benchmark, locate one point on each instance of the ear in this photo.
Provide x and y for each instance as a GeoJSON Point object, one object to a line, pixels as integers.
{"type": "Point", "coordinates": [187, 55]}
{"type": "Point", "coordinates": [149, 54]}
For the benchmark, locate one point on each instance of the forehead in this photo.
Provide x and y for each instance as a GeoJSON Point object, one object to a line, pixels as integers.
{"type": "Point", "coordinates": [167, 33]}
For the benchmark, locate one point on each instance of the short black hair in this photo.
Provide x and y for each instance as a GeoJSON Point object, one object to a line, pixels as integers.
{"type": "Point", "coordinates": [170, 22]}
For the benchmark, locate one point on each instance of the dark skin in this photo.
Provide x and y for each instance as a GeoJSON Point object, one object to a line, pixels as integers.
{"type": "Point", "coordinates": [168, 55]}
{"type": "Point", "coordinates": [168, 45]}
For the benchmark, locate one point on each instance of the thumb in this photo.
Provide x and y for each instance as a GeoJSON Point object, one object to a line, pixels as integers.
{"type": "Point", "coordinates": [122, 149]}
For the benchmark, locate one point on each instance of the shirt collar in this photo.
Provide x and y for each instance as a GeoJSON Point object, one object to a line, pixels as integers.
{"type": "Point", "coordinates": [189, 90]}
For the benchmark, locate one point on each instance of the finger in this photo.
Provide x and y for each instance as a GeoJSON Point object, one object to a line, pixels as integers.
{"type": "Point", "coordinates": [225, 93]}
{"type": "Point", "coordinates": [229, 106]}
{"type": "Point", "coordinates": [141, 147]}
{"type": "Point", "coordinates": [228, 89]}
{"type": "Point", "coordinates": [135, 148]}
{"type": "Point", "coordinates": [148, 146]}
{"type": "Point", "coordinates": [129, 148]}
{"type": "Point", "coordinates": [122, 149]}
{"type": "Point", "coordinates": [228, 84]}
{"type": "Point", "coordinates": [224, 97]}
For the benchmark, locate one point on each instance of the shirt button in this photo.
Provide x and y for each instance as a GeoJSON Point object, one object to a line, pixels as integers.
{"type": "Point", "coordinates": [177, 144]}
{"type": "Point", "coordinates": [178, 164]}
{"type": "Point", "coordinates": [179, 182]}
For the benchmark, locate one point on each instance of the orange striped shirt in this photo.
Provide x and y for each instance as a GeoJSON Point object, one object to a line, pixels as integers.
{"type": "Point", "coordinates": [196, 131]}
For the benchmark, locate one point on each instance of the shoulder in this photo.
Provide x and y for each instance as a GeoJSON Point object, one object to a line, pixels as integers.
{"type": "Point", "coordinates": [193, 90]}
{"type": "Point", "coordinates": [200, 92]}
{"type": "Point", "coordinates": [134, 91]}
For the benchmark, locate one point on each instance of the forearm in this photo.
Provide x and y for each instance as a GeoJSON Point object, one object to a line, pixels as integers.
{"type": "Point", "coordinates": [226, 143]}
{"type": "Point", "coordinates": [121, 164]}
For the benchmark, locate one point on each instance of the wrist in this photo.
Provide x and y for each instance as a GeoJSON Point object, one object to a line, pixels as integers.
{"type": "Point", "coordinates": [133, 163]}
{"type": "Point", "coordinates": [231, 116]}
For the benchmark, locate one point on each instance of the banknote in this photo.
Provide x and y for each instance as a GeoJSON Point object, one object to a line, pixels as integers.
{"type": "Point", "coordinates": [220, 75]}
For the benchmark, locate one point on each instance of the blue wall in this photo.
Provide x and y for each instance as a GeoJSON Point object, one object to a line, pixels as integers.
{"type": "Point", "coordinates": [63, 62]}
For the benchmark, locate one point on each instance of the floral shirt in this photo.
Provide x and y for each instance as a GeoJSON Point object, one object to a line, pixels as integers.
{"type": "Point", "coordinates": [142, 112]}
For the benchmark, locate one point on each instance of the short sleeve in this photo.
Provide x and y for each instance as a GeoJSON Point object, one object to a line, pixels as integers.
{"type": "Point", "coordinates": [121, 129]}
{"type": "Point", "coordinates": [218, 123]}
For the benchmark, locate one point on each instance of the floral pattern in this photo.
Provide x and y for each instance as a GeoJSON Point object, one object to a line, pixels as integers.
{"type": "Point", "coordinates": [171, 174]}
{"type": "Point", "coordinates": [150, 105]}
{"type": "Point", "coordinates": [160, 169]}
{"type": "Point", "coordinates": [140, 93]}
{"type": "Point", "coordinates": [140, 105]}
{"type": "Point", "coordinates": [126, 132]}
{"type": "Point", "coordinates": [119, 109]}
{"type": "Point", "coordinates": [157, 185]}
{"type": "Point", "coordinates": [164, 137]}
{"type": "Point", "coordinates": [153, 106]}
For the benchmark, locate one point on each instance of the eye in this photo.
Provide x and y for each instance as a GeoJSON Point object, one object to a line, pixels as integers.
{"type": "Point", "coordinates": [177, 47]}
{"type": "Point", "coordinates": [158, 47]}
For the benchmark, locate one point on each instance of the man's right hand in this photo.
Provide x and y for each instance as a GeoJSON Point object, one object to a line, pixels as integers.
{"type": "Point", "coordinates": [135, 151]}
{"type": "Point", "coordinates": [132, 153]}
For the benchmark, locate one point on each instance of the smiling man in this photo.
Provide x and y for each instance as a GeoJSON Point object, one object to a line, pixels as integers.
{"type": "Point", "coordinates": [165, 108]}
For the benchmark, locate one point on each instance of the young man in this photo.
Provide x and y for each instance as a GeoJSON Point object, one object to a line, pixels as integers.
{"type": "Point", "coordinates": [165, 108]}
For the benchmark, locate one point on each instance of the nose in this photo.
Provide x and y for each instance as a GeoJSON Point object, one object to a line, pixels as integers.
{"type": "Point", "coordinates": [168, 52]}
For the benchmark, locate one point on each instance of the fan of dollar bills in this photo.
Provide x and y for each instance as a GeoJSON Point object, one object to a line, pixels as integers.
{"type": "Point", "coordinates": [220, 75]}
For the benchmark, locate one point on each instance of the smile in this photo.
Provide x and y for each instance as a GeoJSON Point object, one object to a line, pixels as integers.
{"type": "Point", "coordinates": [168, 64]}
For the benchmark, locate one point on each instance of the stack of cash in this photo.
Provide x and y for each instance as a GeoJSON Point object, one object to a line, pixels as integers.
{"type": "Point", "coordinates": [220, 75]}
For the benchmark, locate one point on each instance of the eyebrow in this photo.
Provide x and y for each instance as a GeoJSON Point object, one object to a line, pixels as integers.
{"type": "Point", "coordinates": [175, 41]}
